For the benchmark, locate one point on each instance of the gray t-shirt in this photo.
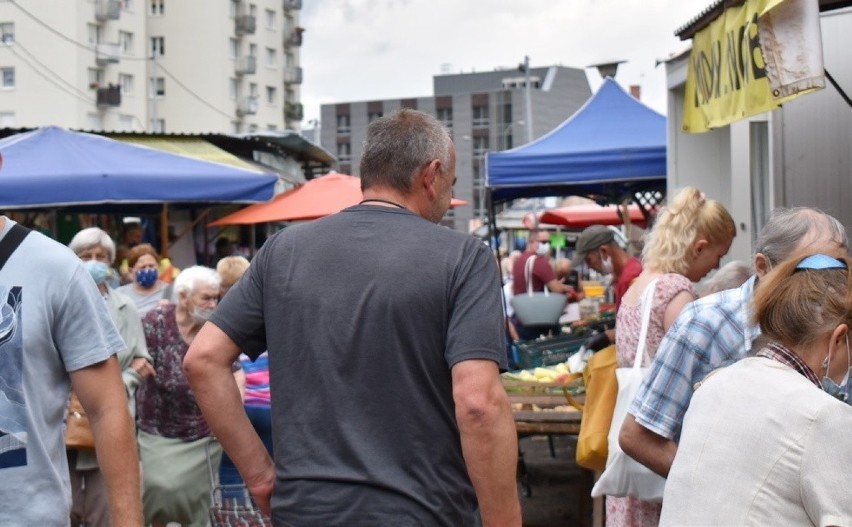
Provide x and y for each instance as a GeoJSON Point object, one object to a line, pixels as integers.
{"type": "Point", "coordinates": [364, 314]}
{"type": "Point", "coordinates": [52, 320]}
{"type": "Point", "coordinates": [145, 303]}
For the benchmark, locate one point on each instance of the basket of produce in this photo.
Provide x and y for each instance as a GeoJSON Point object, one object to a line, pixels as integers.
{"type": "Point", "coordinates": [548, 351]}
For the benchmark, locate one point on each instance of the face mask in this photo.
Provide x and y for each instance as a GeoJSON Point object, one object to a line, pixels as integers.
{"type": "Point", "coordinates": [98, 270]}
{"type": "Point", "coordinates": [200, 315]}
{"type": "Point", "coordinates": [543, 248]}
{"type": "Point", "coordinates": [146, 277]}
{"type": "Point", "coordinates": [606, 263]}
{"type": "Point", "coordinates": [830, 387]}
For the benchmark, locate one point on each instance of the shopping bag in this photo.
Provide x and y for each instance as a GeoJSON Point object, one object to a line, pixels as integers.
{"type": "Point", "coordinates": [537, 309]}
{"type": "Point", "coordinates": [601, 391]}
{"type": "Point", "coordinates": [624, 476]}
{"type": "Point", "coordinates": [78, 433]}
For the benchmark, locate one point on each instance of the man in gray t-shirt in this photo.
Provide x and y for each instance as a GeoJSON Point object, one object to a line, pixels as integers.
{"type": "Point", "coordinates": [384, 334]}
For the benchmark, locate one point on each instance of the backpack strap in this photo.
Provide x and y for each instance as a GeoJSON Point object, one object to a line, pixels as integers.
{"type": "Point", "coordinates": [11, 241]}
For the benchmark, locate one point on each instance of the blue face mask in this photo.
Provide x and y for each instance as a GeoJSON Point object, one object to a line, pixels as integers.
{"type": "Point", "coordinates": [838, 391]}
{"type": "Point", "coordinates": [146, 277]}
{"type": "Point", "coordinates": [98, 270]}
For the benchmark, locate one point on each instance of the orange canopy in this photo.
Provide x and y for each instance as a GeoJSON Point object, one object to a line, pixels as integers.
{"type": "Point", "coordinates": [581, 216]}
{"type": "Point", "coordinates": [317, 198]}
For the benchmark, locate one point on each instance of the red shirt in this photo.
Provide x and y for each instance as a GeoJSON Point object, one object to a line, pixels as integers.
{"type": "Point", "coordinates": [632, 268]}
{"type": "Point", "coordinates": [542, 273]}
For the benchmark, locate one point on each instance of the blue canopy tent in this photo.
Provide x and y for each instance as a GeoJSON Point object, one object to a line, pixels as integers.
{"type": "Point", "coordinates": [612, 147]}
{"type": "Point", "coordinates": [52, 167]}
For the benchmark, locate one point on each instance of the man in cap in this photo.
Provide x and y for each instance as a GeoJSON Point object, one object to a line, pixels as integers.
{"type": "Point", "coordinates": [597, 247]}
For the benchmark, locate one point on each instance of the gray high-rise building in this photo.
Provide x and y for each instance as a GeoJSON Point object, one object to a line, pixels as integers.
{"type": "Point", "coordinates": [484, 111]}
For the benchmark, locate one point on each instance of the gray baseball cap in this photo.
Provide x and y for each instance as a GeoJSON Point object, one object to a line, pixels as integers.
{"type": "Point", "coordinates": [590, 239]}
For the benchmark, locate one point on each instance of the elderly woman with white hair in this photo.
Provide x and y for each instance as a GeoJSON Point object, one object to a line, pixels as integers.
{"type": "Point", "coordinates": [88, 490]}
{"type": "Point", "coordinates": [174, 438]}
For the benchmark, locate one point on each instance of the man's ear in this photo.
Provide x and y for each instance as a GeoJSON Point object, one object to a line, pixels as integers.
{"type": "Point", "coordinates": [429, 176]}
{"type": "Point", "coordinates": [761, 264]}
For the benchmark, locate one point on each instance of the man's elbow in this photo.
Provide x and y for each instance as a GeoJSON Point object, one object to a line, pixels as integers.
{"type": "Point", "coordinates": [197, 363]}
{"type": "Point", "coordinates": [630, 436]}
{"type": "Point", "coordinates": [480, 407]}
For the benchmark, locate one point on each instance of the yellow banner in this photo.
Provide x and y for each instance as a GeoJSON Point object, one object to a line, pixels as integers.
{"type": "Point", "coordinates": [727, 77]}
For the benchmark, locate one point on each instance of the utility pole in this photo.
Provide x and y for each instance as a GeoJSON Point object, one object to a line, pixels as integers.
{"type": "Point", "coordinates": [525, 67]}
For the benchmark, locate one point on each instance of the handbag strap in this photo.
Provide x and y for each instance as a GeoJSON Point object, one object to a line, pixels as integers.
{"type": "Point", "coordinates": [528, 266]}
{"type": "Point", "coordinates": [11, 241]}
{"type": "Point", "coordinates": [646, 302]}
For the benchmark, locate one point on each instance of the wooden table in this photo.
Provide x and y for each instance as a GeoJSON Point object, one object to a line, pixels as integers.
{"type": "Point", "coordinates": [544, 409]}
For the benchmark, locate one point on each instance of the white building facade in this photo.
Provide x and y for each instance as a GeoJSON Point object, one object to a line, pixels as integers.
{"type": "Point", "coordinates": [187, 66]}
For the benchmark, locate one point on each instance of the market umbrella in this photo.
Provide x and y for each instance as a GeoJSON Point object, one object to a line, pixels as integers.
{"type": "Point", "coordinates": [581, 216]}
{"type": "Point", "coordinates": [317, 198]}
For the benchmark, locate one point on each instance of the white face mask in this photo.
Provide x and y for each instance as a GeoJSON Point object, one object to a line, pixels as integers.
{"type": "Point", "coordinates": [200, 315]}
{"type": "Point", "coordinates": [828, 385]}
{"type": "Point", "coordinates": [606, 263]}
{"type": "Point", "coordinates": [543, 248]}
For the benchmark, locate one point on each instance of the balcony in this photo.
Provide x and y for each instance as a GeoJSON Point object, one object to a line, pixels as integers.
{"type": "Point", "coordinates": [109, 97]}
{"type": "Point", "coordinates": [292, 5]}
{"type": "Point", "coordinates": [293, 111]}
{"type": "Point", "coordinates": [293, 37]}
{"type": "Point", "coordinates": [293, 75]}
{"type": "Point", "coordinates": [107, 53]}
{"type": "Point", "coordinates": [107, 10]}
{"type": "Point", "coordinates": [245, 24]}
{"type": "Point", "coordinates": [247, 106]}
{"type": "Point", "coordinates": [245, 65]}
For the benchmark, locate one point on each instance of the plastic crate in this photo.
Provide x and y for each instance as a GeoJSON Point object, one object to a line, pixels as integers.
{"type": "Point", "coordinates": [546, 352]}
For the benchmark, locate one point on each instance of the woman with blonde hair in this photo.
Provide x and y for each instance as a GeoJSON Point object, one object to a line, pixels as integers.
{"type": "Point", "coordinates": [770, 434]}
{"type": "Point", "coordinates": [688, 239]}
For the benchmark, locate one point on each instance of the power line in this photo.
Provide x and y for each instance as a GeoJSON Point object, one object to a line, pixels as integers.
{"type": "Point", "coordinates": [43, 75]}
{"type": "Point", "coordinates": [123, 57]}
{"type": "Point", "coordinates": [18, 44]}
{"type": "Point", "coordinates": [194, 95]}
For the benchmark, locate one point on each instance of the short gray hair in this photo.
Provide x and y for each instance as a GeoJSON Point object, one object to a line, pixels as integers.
{"type": "Point", "coordinates": [399, 145]}
{"type": "Point", "coordinates": [729, 276]}
{"type": "Point", "coordinates": [91, 238]}
{"type": "Point", "coordinates": [189, 278]}
{"type": "Point", "coordinates": [787, 228]}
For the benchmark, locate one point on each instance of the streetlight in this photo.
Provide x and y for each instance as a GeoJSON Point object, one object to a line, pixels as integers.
{"type": "Point", "coordinates": [607, 69]}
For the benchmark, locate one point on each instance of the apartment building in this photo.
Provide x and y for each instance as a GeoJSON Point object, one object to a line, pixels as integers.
{"type": "Point", "coordinates": [484, 111]}
{"type": "Point", "coordinates": [177, 66]}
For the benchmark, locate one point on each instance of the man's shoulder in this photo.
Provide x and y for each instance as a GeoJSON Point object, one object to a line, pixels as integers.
{"type": "Point", "coordinates": [721, 303]}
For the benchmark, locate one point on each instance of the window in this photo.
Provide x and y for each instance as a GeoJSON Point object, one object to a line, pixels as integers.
{"type": "Point", "coordinates": [127, 5]}
{"type": "Point", "coordinates": [126, 83]}
{"type": "Point", "coordinates": [158, 46]}
{"type": "Point", "coordinates": [232, 88]}
{"type": "Point", "coordinates": [158, 125]}
{"type": "Point", "coordinates": [270, 94]}
{"type": "Point", "coordinates": [158, 87]}
{"type": "Point", "coordinates": [344, 151]}
{"type": "Point", "coordinates": [253, 50]}
{"type": "Point", "coordinates": [343, 126]}
{"type": "Point", "coordinates": [125, 123]}
{"type": "Point", "coordinates": [157, 7]}
{"type": "Point", "coordinates": [236, 127]}
{"type": "Point", "coordinates": [8, 77]}
{"type": "Point", "coordinates": [445, 115]}
{"type": "Point", "coordinates": [253, 10]}
{"type": "Point", "coordinates": [271, 127]}
{"type": "Point", "coordinates": [7, 32]}
{"type": "Point", "coordinates": [253, 90]}
{"type": "Point", "coordinates": [289, 60]}
{"type": "Point", "coordinates": [94, 121]}
{"type": "Point", "coordinates": [373, 116]}
{"type": "Point", "coordinates": [270, 19]}
{"type": "Point", "coordinates": [252, 128]}
{"type": "Point", "coordinates": [234, 8]}
{"type": "Point", "coordinates": [94, 32]}
{"type": "Point", "coordinates": [7, 119]}
{"type": "Point", "coordinates": [96, 77]}
{"type": "Point", "coordinates": [125, 40]}
{"type": "Point", "coordinates": [270, 57]}
{"type": "Point", "coordinates": [480, 116]}
{"type": "Point", "coordinates": [234, 48]}
{"type": "Point", "coordinates": [480, 145]}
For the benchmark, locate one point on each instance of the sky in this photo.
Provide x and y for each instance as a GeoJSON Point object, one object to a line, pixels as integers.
{"type": "Point", "coordinates": [358, 50]}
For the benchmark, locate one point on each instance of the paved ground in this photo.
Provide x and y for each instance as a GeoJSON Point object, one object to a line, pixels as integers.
{"type": "Point", "coordinates": [555, 483]}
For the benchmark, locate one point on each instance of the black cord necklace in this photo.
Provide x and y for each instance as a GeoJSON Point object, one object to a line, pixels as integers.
{"type": "Point", "coordinates": [377, 200]}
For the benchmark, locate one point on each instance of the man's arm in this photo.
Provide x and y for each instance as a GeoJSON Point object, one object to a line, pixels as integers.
{"type": "Point", "coordinates": [651, 449]}
{"type": "Point", "coordinates": [489, 440]}
{"type": "Point", "coordinates": [208, 368]}
{"type": "Point", "coordinates": [101, 392]}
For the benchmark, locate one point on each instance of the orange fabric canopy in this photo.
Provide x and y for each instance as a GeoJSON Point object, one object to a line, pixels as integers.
{"type": "Point", "coordinates": [317, 198]}
{"type": "Point", "coordinates": [581, 216]}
